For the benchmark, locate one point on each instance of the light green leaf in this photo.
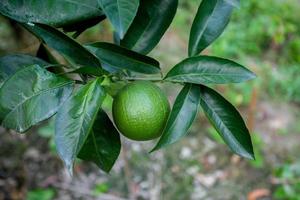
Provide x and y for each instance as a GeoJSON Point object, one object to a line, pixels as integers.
{"type": "Point", "coordinates": [75, 120]}
{"type": "Point", "coordinates": [30, 96]}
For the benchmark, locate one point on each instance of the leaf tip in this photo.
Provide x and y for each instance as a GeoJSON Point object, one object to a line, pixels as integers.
{"type": "Point", "coordinates": [154, 149]}
{"type": "Point", "coordinates": [70, 169]}
{"type": "Point", "coordinates": [252, 75]}
{"type": "Point", "coordinates": [247, 155]}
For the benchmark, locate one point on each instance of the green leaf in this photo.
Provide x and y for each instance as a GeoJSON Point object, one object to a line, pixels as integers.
{"type": "Point", "coordinates": [52, 12]}
{"type": "Point", "coordinates": [87, 71]}
{"type": "Point", "coordinates": [208, 69]}
{"type": "Point", "coordinates": [152, 20]}
{"type": "Point", "coordinates": [120, 13]}
{"type": "Point", "coordinates": [11, 63]}
{"type": "Point", "coordinates": [75, 120]}
{"type": "Point", "coordinates": [211, 19]}
{"type": "Point", "coordinates": [235, 3]}
{"type": "Point", "coordinates": [119, 57]}
{"type": "Point", "coordinates": [103, 144]}
{"type": "Point", "coordinates": [80, 27]}
{"type": "Point", "coordinates": [55, 67]}
{"type": "Point", "coordinates": [64, 44]}
{"type": "Point", "coordinates": [227, 121]}
{"type": "Point", "coordinates": [182, 116]}
{"type": "Point", "coordinates": [30, 96]}
{"type": "Point", "coordinates": [45, 54]}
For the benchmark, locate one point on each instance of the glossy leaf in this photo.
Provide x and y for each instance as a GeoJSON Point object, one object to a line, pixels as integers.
{"type": "Point", "coordinates": [208, 69]}
{"type": "Point", "coordinates": [11, 63]}
{"type": "Point", "coordinates": [152, 20]}
{"type": "Point", "coordinates": [30, 96]}
{"type": "Point", "coordinates": [75, 120]}
{"type": "Point", "coordinates": [52, 12]}
{"type": "Point", "coordinates": [64, 44]}
{"type": "Point", "coordinates": [211, 19]}
{"type": "Point", "coordinates": [103, 144]}
{"type": "Point", "coordinates": [120, 13]}
{"type": "Point", "coordinates": [119, 57]}
{"type": "Point", "coordinates": [182, 116]}
{"type": "Point", "coordinates": [227, 121]}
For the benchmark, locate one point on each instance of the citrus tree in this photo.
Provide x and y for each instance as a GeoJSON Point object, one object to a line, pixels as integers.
{"type": "Point", "coordinates": [35, 88]}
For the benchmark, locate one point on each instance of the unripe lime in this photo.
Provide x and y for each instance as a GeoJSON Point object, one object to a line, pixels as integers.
{"type": "Point", "coordinates": [140, 111]}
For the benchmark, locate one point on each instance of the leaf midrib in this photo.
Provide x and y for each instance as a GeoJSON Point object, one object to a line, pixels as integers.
{"type": "Point", "coordinates": [205, 74]}
{"type": "Point", "coordinates": [176, 118]}
{"type": "Point", "coordinates": [205, 26]}
{"type": "Point", "coordinates": [81, 122]}
{"type": "Point", "coordinates": [231, 136]}
{"type": "Point", "coordinates": [39, 93]}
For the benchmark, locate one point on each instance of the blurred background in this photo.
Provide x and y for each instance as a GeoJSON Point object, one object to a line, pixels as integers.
{"type": "Point", "coordinates": [262, 35]}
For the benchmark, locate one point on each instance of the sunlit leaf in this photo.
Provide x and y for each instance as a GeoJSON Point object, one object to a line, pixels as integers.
{"type": "Point", "coordinates": [30, 96]}
{"type": "Point", "coordinates": [75, 120]}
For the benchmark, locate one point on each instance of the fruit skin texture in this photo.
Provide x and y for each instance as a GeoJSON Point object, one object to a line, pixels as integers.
{"type": "Point", "coordinates": [141, 110]}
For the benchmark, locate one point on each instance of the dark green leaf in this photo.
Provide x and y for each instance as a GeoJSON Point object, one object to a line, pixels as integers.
{"type": "Point", "coordinates": [87, 71]}
{"type": "Point", "coordinates": [211, 19]}
{"type": "Point", "coordinates": [83, 25]}
{"type": "Point", "coordinates": [120, 13]}
{"type": "Point", "coordinates": [152, 20]}
{"type": "Point", "coordinates": [52, 12]}
{"type": "Point", "coordinates": [11, 63]}
{"type": "Point", "coordinates": [208, 69]}
{"type": "Point", "coordinates": [75, 120]}
{"type": "Point", "coordinates": [227, 121]}
{"type": "Point", "coordinates": [46, 55]}
{"type": "Point", "coordinates": [119, 57]}
{"type": "Point", "coordinates": [103, 144]}
{"type": "Point", "coordinates": [182, 116]}
{"type": "Point", "coordinates": [64, 44]}
{"type": "Point", "coordinates": [30, 96]}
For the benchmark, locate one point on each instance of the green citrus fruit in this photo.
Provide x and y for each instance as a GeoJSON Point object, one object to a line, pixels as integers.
{"type": "Point", "coordinates": [140, 111]}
